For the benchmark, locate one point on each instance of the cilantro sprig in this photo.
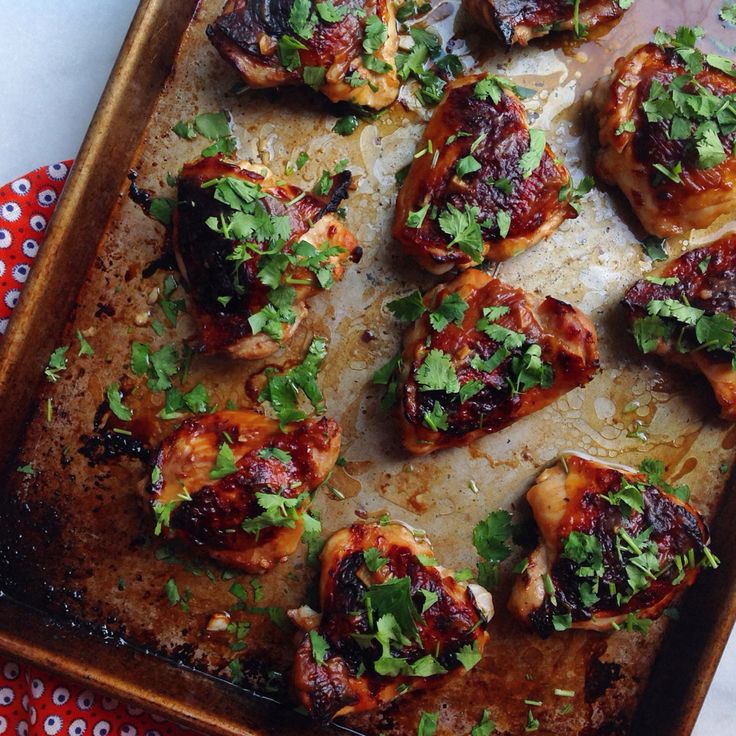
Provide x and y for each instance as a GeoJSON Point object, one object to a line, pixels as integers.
{"type": "Point", "coordinates": [282, 390]}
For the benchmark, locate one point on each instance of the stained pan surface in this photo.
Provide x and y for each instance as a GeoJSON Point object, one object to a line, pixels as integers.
{"type": "Point", "coordinates": [76, 539]}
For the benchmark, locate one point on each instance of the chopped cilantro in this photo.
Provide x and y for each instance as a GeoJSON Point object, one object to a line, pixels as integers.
{"type": "Point", "coordinates": [408, 308]}
{"type": "Point", "coordinates": [56, 364]}
{"type": "Point", "coordinates": [373, 560]}
{"type": "Point", "coordinates": [320, 646]}
{"type": "Point", "coordinates": [452, 308]}
{"type": "Point", "coordinates": [437, 373]}
{"type": "Point", "coordinates": [531, 160]}
{"type": "Point", "coordinates": [115, 402]}
{"type": "Point", "coordinates": [427, 724]}
{"type": "Point", "coordinates": [224, 462]}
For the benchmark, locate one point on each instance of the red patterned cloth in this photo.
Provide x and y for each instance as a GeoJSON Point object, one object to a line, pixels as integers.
{"type": "Point", "coordinates": [26, 206]}
{"type": "Point", "coordinates": [32, 702]}
{"type": "Point", "coordinates": [35, 703]}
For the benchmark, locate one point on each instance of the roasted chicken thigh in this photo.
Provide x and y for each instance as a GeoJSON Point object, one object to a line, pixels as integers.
{"type": "Point", "coordinates": [483, 354]}
{"type": "Point", "coordinates": [686, 313]}
{"type": "Point", "coordinates": [519, 21]}
{"type": "Point", "coordinates": [666, 122]}
{"type": "Point", "coordinates": [614, 551]}
{"type": "Point", "coordinates": [392, 621]}
{"type": "Point", "coordinates": [253, 250]}
{"type": "Point", "coordinates": [345, 49]}
{"type": "Point", "coordinates": [483, 185]}
{"type": "Point", "coordinates": [236, 486]}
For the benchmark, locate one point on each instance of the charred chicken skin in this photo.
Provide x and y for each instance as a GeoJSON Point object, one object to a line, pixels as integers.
{"type": "Point", "coordinates": [519, 21]}
{"type": "Point", "coordinates": [686, 313]}
{"type": "Point", "coordinates": [237, 487]}
{"type": "Point", "coordinates": [391, 621]}
{"type": "Point", "coordinates": [253, 251]}
{"type": "Point", "coordinates": [345, 49]}
{"type": "Point", "coordinates": [483, 354]}
{"type": "Point", "coordinates": [483, 185]}
{"type": "Point", "coordinates": [666, 118]}
{"type": "Point", "coordinates": [614, 551]}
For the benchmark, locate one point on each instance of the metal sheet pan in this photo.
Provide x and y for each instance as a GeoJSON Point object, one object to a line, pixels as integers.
{"type": "Point", "coordinates": [71, 533]}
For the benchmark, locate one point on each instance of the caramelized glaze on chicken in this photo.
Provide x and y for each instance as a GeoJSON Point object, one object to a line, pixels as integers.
{"type": "Point", "coordinates": [504, 355]}
{"type": "Point", "coordinates": [479, 188]}
{"type": "Point", "coordinates": [253, 251]}
{"type": "Point", "coordinates": [614, 548]}
{"type": "Point", "coordinates": [685, 312]}
{"type": "Point", "coordinates": [345, 49]}
{"type": "Point", "coordinates": [236, 486]}
{"type": "Point", "coordinates": [666, 138]}
{"type": "Point", "coordinates": [391, 622]}
{"type": "Point", "coordinates": [519, 21]}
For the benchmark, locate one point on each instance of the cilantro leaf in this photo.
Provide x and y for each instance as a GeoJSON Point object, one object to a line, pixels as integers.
{"type": "Point", "coordinates": [490, 536]}
{"type": "Point", "coordinates": [373, 560]}
{"type": "Point", "coordinates": [437, 373]}
{"type": "Point", "coordinates": [467, 165]}
{"type": "Point", "coordinates": [531, 160]}
{"type": "Point", "coordinates": [408, 308]}
{"type": "Point", "coordinates": [485, 727]}
{"type": "Point", "coordinates": [469, 656]}
{"type": "Point", "coordinates": [375, 34]}
{"type": "Point", "coordinates": [427, 724]}
{"type": "Point", "coordinates": [463, 228]}
{"type": "Point", "coordinates": [320, 646]}
{"type": "Point", "coordinates": [452, 308]}
{"type": "Point", "coordinates": [302, 19]}
{"type": "Point", "coordinates": [115, 402]}
{"type": "Point", "coordinates": [224, 463]}
{"type": "Point", "coordinates": [56, 364]}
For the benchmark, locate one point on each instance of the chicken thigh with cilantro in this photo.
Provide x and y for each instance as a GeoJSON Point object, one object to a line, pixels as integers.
{"type": "Point", "coordinates": [686, 313]}
{"type": "Point", "coordinates": [253, 250]}
{"type": "Point", "coordinates": [346, 49]}
{"type": "Point", "coordinates": [392, 621]}
{"type": "Point", "coordinates": [616, 547]}
{"type": "Point", "coordinates": [519, 21]}
{"type": "Point", "coordinates": [237, 486]}
{"type": "Point", "coordinates": [667, 122]}
{"type": "Point", "coordinates": [483, 184]}
{"type": "Point", "coordinates": [480, 355]}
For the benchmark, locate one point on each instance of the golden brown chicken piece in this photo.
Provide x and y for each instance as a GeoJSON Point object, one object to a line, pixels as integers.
{"type": "Point", "coordinates": [345, 49]}
{"type": "Point", "coordinates": [253, 250]}
{"type": "Point", "coordinates": [484, 354]}
{"type": "Point", "coordinates": [483, 185]}
{"type": "Point", "coordinates": [616, 547]}
{"type": "Point", "coordinates": [519, 21]}
{"type": "Point", "coordinates": [685, 312]}
{"type": "Point", "coordinates": [666, 134]}
{"type": "Point", "coordinates": [392, 621]}
{"type": "Point", "coordinates": [237, 487]}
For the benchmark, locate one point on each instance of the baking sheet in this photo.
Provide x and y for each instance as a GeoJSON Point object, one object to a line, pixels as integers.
{"type": "Point", "coordinates": [80, 531]}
